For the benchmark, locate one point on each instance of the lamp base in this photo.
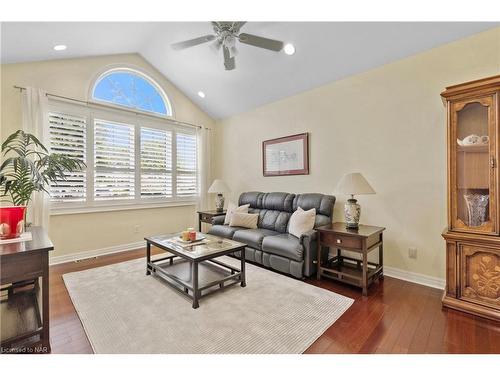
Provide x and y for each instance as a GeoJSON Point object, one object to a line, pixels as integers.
{"type": "Point", "coordinates": [352, 213]}
{"type": "Point", "coordinates": [219, 202]}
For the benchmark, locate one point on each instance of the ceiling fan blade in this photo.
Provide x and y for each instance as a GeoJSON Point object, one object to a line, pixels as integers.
{"type": "Point", "coordinates": [258, 41]}
{"type": "Point", "coordinates": [193, 42]}
{"type": "Point", "coordinates": [228, 60]}
{"type": "Point", "coordinates": [237, 26]}
{"type": "Point", "coordinates": [215, 46]}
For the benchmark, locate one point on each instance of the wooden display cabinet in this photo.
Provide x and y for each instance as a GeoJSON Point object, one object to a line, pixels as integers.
{"type": "Point", "coordinates": [473, 237]}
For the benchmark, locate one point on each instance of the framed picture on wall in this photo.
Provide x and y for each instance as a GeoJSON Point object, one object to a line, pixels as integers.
{"type": "Point", "coordinates": [286, 156]}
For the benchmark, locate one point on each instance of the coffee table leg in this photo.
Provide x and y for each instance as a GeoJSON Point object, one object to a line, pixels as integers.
{"type": "Point", "coordinates": [148, 257]}
{"type": "Point", "coordinates": [243, 277]}
{"type": "Point", "coordinates": [195, 285]}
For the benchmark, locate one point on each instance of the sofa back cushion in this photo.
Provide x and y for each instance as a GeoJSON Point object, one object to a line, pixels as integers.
{"type": "Point", "coordinates": [274, 220]}
{"type": "Point", "coordinates": [253, 198]}
{"type": "Point", "coordinates": [274, 209]}
{"type": "Point", "coordinates": [321, 202]}
{"type": "Point", "coordinates": [278, 201]}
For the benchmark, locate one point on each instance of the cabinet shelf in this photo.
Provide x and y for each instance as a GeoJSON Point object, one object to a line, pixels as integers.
{"type": "Point", "coordinates": [474, 148]}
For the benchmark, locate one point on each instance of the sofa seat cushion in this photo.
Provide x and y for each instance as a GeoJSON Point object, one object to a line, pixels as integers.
{"type": "Point", "coordinates": [223, 231]}
{"type": "Point", "coordinates": [285, 245]}
{"type": "Point", "coordinates": [253, 237]}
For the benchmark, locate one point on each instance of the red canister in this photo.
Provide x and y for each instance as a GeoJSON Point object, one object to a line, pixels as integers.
{"type": "Point", "coordinates": [11, 221]}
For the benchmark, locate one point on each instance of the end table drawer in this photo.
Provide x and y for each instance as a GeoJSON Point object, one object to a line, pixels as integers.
{"type": "Point", "coordinates": [333, 240]}
{"type": "Point", "coordinates": [20, 266]}
{"type": "Point", "coordinates": [207, 218]}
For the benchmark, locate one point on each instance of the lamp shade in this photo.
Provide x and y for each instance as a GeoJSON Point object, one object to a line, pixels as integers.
{"type": "Point", "coordinates": [354, 184]}
{"type": "Point", "coordinates": [218, 186]}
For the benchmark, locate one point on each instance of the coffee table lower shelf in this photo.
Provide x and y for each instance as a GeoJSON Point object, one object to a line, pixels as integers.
{"type": "Point", "coordinates": [210, 276]}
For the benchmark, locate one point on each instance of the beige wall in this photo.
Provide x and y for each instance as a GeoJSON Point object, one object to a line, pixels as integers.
{"type": "Point", "coordinates": [72, 78]}
{"type": "Point", "coordinates": [389, 124]}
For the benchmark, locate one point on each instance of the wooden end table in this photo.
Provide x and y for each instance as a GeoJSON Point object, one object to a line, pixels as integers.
{"type": "Point", "coordinates": [358, 272]}
{"type": "Point", "coordinates": [207, 216]}
{"type": "Point", "coordinates": [24, 278]}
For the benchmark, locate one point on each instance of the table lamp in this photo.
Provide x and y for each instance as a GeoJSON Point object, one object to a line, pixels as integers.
{"type": "Point", "coordinates": [353, 184]}
{"type": "Point", "coordinates": [218, 187]}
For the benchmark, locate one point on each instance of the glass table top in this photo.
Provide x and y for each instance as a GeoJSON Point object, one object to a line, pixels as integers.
{"type": "Point", "coordinates": [210, 245]}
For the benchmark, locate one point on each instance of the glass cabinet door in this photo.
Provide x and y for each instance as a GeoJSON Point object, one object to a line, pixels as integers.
{"type": "Point", "coordinates": [473, 165]}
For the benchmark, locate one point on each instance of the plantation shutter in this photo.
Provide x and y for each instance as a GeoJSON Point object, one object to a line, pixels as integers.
{"type": "Point", "coordinates": [186, 165]}
{"type": "Point", "coordinates": [68, 137]}
{"type": "Point", "coordinates": [114, 162]}
{"type": "Point", "coordinates": [156, 163]}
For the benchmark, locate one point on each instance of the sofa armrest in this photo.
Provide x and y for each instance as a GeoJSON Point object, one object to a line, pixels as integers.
{"type": "Point", "coordinates": [309, 242]}
{"type": "Point", "coordinates": [308, 237]}
{"type": "Point", "coordinates": [218, 220]}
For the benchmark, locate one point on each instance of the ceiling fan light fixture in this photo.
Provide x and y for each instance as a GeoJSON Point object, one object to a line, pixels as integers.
{"type": "Point", "coordinates": [229, 41]}
{"type": "Point", "coordinates": [289, 49]}
{"type": "Point", "coordinates": [233, 51]}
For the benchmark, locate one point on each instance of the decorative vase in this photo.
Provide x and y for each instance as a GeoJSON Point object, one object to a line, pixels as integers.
{"type": "Point", "coordinates": [219, 202]}
{"type": "Point", "coordinates": [477, 209]}
{"type": "Point", "coordinates": [11, 221]}
{"type": "Point", "coordinates": [352, 212]}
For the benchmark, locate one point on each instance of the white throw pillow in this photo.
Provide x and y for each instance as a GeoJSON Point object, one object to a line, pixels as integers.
{"type": "Point", "coordinates": [231, 208]}
{"type": "Point", "coordinates": [301, 222]}
{"type": "Point", "coordinates": [239, 219]}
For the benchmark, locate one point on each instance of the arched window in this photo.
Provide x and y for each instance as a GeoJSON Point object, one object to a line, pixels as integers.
{"type": "Point", "coordinates": [130, 160]}
{"type": "Point", "coordinates": [132, 89]}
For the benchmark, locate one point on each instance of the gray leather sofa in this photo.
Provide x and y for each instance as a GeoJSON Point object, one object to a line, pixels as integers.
{"type": "Point", "coordinates": [270, 244]}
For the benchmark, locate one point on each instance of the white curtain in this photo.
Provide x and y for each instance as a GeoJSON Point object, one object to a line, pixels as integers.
{"type": "Point", "coordinates": [35, 121]}
{"type": "Point", "coordinates": [204, 138]}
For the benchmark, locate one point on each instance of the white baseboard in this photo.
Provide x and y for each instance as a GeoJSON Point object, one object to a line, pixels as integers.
{"type": "Point", "coordinates": [433, 282]}
{"type": "Point", "coordinates": [418, 278]}
{"type": "Point", "coordinates": [98, 252]}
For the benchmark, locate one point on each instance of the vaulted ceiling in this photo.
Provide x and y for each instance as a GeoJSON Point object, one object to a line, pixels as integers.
{"type": "Point", "coordinates": [324, 52]}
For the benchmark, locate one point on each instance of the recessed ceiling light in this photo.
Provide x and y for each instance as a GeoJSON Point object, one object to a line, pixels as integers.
{"type": "Point", "coordinates": [60, 47]}
{"type": "Point", "coordinates": [289, 49]}
{"type": "Point", "coordinates": [201, 94]}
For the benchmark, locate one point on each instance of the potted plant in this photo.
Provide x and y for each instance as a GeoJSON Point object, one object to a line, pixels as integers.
{"type": "Point", "coordinates": [27, 167]}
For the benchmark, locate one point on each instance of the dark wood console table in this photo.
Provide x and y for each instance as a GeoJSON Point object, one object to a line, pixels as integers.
{"type": "Point", "coordinates": [24, 281]}
{"type": "Point", "coordinates": [359, 272]}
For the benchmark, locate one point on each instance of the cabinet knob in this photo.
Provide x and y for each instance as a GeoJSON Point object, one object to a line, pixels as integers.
{"type": "Point", "coordinates": [339, 240]}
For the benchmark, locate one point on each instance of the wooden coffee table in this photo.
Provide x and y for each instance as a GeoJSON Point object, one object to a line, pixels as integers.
{"type": "Point", "coordinates": [192, 269]}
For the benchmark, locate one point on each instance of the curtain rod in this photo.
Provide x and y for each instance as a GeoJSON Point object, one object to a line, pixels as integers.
{"type": "Point", "coordinates": [20, 88]}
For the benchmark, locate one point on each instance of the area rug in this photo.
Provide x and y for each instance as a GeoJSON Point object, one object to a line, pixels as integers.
{"type": "Point", "coordinates": [124, 311]}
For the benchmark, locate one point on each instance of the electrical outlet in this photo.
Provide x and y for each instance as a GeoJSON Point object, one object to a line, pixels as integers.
{"type": "Point", "coordinates": [136, 228]}
{"type": "Point", "coordinates": [412, 252]}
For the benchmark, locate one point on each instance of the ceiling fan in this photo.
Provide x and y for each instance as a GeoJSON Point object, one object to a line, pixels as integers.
{"type": "Point", "coordinates": [225, 36]}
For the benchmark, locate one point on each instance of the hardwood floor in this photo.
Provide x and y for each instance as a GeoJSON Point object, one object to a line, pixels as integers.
{"type": "Point", "coordinates": [396, 317]}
